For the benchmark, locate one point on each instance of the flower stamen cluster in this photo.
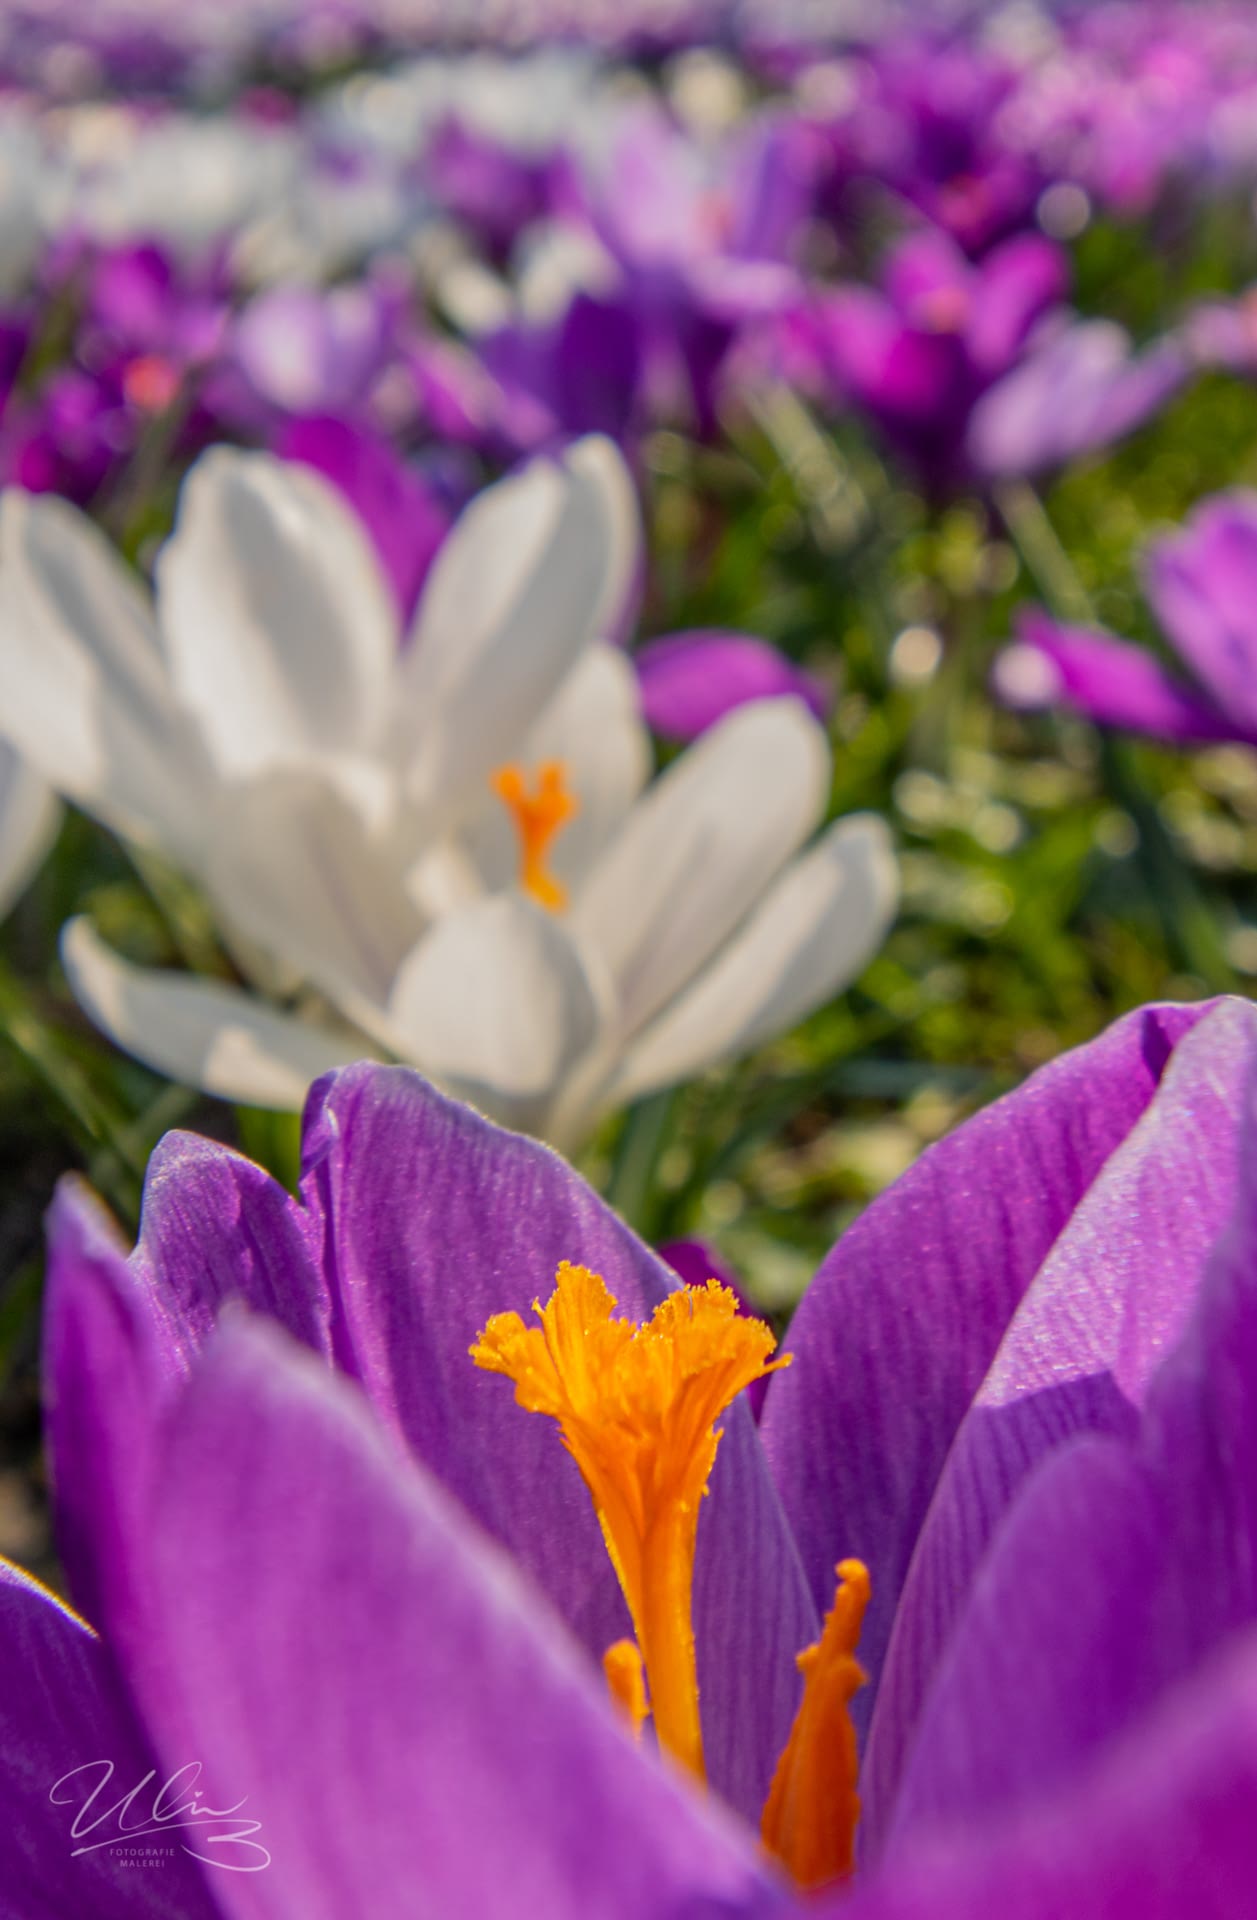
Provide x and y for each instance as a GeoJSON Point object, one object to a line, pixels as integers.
{"type": "Point", "coordinates": [637, 1408]}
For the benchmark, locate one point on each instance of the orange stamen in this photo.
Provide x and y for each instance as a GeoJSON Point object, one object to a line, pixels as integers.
{"type": "Point", "coordinates": [539, 816]}
{"type": "Point", "coordinates": [637, 1408]}
{"type": "Point", "coordinates": [626, 1682]}
{"type": "Point", "coordinates": [812, 1806]}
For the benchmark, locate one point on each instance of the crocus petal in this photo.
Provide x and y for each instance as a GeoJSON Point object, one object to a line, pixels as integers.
{"type": "Point", "coordinates": [1162, 1824]}
{"type": "Point", "coordinates": [532, 572]}
{"type": "Point", "coordinates": [297, 868]}
{"type": "Point", "coordinates": [1078, 1356]}
{"type": "Point", "coordinates": [29, 819]}
{"type": "Point", "coordinates": [495, 1002]}
{"type": "Point", "coordinates": [699, 849]}
{"type": "Point", "coordinates": [198, 1032]}
{"type": "Point", "coordinates": [1017, 281]}
{"type": "Point", "coordinates": [111, 1362]}
{"type": "Point", "coordinates": [278, 623]}
{"type": "Point", "coordinates": [815, 929]}
{"type": "Point", "coordinates": [119, 1333]}
{"type": "Point", "coordinates": [62, 1709]}
{"type": "Point", "coordinates": [691, 680]}
{"type": "Point", "coordinates": [1083, 390]}
{"type": "Point", "coordinates": [424, 1682]}
{"type": "Point", "coordinates": [1202, 584]}
{"type": "Point", "coordinates": [902, 373]}
{"type": "Point", "coordinates": [900, 1327]}
{"type": "Point", "coordinates": [1161, 1522]}
{"type": "Point", "coordinates": [1111, 681]}
{"type": "Point", "coordinates": [83, 690]}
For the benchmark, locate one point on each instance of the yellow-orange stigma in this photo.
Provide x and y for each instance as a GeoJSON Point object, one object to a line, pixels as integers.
{"type": "Point", "coordinates": [540, 813]}
{"type": "Point", "coordinates": [812, 1807]}
{"type": "Point", "coordinates": [637, 1408]}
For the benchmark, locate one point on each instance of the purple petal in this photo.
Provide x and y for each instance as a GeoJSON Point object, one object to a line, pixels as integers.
{"type": "Point", "coordinates": [1161, 1828]}
{"type": "Point", "coordinates": [109, 1365]}
{"type": "Point", "coordinates": [61, 1709]}
{"type": "Point", "coordinates": [403, 516]}
{"type": "Point", "coordinates": [306, 351]}
{"type": "Point", "coordinates": [771, 173]}
{"type": "Point", "coordinates": [483, 183]}
{"type": "Point", "coordinates": [902, 373]}
{"type": "Point", "coordinates": [412, 1731]}
{"type": "Point", "coordinates": [1110, 680]}
{"type": "Point", "coordinates": [598, 354]}
{"type": "Point", "coordinates": [1017, 282]}
{"type": "Point", "coordinates": [1083, 390]}
{"type": "Point", "coordinates": [929, 281]}
{"type": "Point", "coordinates": [1202, 583]}
{"type": "Point", "coordinates": [900, 1326]}
{"type": "Point", "coordinates": [1078, 1357]}
{"type": "Point", "coordinates": [689, 681]}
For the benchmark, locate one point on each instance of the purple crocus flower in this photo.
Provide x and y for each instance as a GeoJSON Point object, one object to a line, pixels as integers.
{"type": "Point", "coordinates": [1082, 390]}
{"type": "Point", "coordinates": [920, 351]}
{"type": "Point", "coordinates": [1202, 585]}
{"type": "Point", "coordinates": [689, 681]}
{"type": "Point", "coordinates": [490, 187]}
{"type": "Point", "coordinates": [692, 247]}
{"type": "Point", "coordinates": [302, 350]}
{"type": "Point", "coordinates": [927, 122]}
{"type": "Point", "coordinates": [1022, 1390]}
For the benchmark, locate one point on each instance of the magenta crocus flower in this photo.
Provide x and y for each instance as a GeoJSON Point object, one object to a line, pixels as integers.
{"type": "Point", "coordinates": [1202, 585]}
{"type": "Point", "coordinates": [919, 351]}
{"type": "Point", "coordinates": [363, 1590]}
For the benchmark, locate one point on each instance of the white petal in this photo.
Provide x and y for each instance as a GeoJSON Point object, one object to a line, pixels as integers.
{"type": "Point", "coordinates": [29, 818]}
{"type": "Point", "coordinates": [532, 573]}
{"type": "Point", "coordinates": [496, 1004]}
{"type": "Point", "coordinates": [296, 868]}
{"type": "Point", "coordinates": [84, 693]}
{"type": "Point", "coordinates": [277, 621]}
{"type": "Point", "coordinates": [594, 726]}
{"type": "Point", "coordinates": [813, 932]}
{"type": "Point", "coordinates": [197, 1032]}
{"type": "Point", "coordinates": [698, 849]}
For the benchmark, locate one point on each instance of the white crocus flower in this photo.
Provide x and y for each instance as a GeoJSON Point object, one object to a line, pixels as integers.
{"type": "Point", "coordinates": [441, 853]}
{"type": "Point", "coordinates": [263, 727]}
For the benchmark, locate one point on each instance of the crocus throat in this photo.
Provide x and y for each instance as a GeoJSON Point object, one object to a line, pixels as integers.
{"type": "Point", "coordinates": [539, 814]}
{"type": "Point", "coordinates": [637, 1408]}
